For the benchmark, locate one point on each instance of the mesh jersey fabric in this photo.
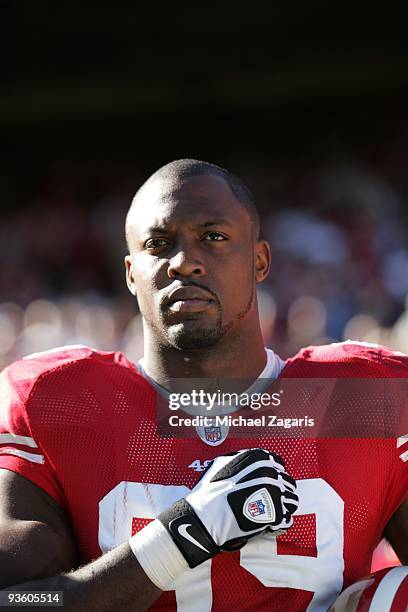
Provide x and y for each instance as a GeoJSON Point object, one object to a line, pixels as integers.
{"type": "Point", "coordinates": [81, 425]}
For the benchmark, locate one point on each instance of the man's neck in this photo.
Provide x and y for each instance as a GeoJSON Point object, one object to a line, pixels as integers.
{"type": "Point", "coordinates": [229, 359]}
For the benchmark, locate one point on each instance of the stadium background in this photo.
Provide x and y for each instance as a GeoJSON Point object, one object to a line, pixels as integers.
{"type": "Point", "coordinates": [307, 103]}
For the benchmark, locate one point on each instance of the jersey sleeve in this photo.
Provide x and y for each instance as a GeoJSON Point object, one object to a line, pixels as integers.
{"type": "Point", "coordinates": [357, 360]}
{"type": "Point", "coordinates": [21, 450]}
{"type": "Point", "coordinates": [399, 489]}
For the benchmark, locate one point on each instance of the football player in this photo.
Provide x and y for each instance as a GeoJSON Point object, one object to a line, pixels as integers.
{"type": "Point", "coordinates": [95, 504]}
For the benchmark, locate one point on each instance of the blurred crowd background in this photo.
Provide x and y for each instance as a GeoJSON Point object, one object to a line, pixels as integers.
{"type": "Point", "coordinates": [313, 118]}
{"type": "Point", "coordinates": [338, 231]}
{"type": "Point", "coordinates": [306, 102]}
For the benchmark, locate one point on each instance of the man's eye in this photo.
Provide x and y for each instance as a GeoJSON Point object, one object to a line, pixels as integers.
{"type": "Point", "coordinates": [155, 243]}
{"type": "Point", "coordinates": [214, 236]}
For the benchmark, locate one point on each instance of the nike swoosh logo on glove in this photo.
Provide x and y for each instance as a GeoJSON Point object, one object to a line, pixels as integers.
{"type": "Point", "coordinates": [182, 530]}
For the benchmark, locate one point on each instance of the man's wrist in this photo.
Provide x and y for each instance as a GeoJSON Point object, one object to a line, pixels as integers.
{"type": "Point", "coordinates": [189, 533]}
{"type": "Point", "coordinates": [158, 554]}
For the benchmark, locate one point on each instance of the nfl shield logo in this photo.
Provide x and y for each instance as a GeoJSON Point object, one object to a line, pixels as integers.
{"type": "Point", "coordinates": [256, 508]}
{"type": "Point", "coordinates": [259, 507]}
{"type": "Point", "coordinates": [212, 434]}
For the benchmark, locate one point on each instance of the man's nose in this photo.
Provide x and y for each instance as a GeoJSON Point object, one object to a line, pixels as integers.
{"type": "Point", "coordinates": [185, 263]}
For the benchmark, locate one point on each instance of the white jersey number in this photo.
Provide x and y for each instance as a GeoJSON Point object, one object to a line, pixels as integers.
{"type": "Point", "coordinates": [322, 575]}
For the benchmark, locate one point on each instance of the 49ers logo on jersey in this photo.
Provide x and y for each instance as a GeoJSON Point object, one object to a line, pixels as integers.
{"type": "Point", "coordinates": [199, 466]}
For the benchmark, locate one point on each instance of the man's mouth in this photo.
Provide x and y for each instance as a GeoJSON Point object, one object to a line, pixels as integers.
{"type": "Point", "coordinates": [189, 298]}
{"type": "Point", "coordinates": [190, 305]}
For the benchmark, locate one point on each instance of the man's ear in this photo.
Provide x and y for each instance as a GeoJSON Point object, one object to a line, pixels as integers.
{"type": "Point", "coordinates": [130, 281]}
{"type": "Point", "coordinates": [262, 260]}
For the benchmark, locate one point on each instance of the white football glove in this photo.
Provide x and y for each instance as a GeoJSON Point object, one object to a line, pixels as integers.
{"type": "Point", "coordinates": [239, 496]}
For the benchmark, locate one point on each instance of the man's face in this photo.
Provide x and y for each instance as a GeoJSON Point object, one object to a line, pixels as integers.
{"type": "Point", "coordinates": [193, 262]}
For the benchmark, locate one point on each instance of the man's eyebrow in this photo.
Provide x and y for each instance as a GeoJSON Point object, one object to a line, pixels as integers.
{"type": "Point", "coordinates": [163, 229]}
{"type": "Point", "coordinates": [156, 229]}
{"type": "Point", "coordinates": [216, 221]}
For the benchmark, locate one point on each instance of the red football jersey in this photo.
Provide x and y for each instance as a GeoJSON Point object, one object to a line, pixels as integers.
{"type": "Point", "coordinates": [81, 424]}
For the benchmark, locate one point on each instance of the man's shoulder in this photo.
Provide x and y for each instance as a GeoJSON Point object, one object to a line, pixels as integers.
{"type": "Point", "coordinates": [70, 365]}
{"type": "Point", "coordinates": [347, 359]}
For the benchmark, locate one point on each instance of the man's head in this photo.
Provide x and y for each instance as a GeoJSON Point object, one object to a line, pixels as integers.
{"type": "Point", "coordinates": [195, 255]}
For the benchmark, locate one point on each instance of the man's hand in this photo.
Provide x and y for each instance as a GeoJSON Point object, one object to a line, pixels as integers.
{"type": "Point", "coordinates": [238, 497]}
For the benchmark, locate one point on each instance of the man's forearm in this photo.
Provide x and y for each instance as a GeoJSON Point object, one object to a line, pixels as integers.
{"type": "Point", "coordinates": [111, 582]}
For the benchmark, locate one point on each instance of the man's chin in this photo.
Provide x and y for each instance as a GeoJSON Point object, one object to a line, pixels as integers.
{"type": "Point", "coordinates": [188, 337]}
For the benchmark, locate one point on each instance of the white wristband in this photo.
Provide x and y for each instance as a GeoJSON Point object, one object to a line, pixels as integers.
{"type": "Point", "coordinates": [158, 555]}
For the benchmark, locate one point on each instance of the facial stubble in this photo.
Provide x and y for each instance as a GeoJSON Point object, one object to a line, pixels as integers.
{"type": "Point", "coordinates": [184, 338]}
